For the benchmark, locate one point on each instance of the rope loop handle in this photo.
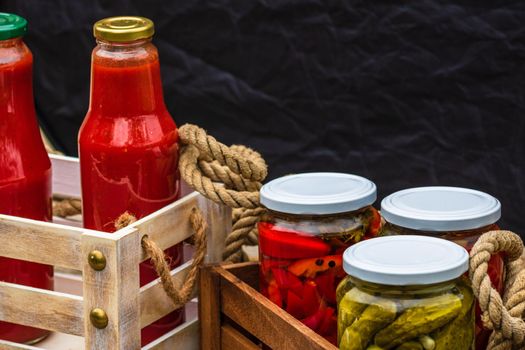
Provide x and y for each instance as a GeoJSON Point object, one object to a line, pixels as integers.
{"type": "Point", "coordinates": [503, 315]}
{"type": "Point", "coordinates": [179, 294]}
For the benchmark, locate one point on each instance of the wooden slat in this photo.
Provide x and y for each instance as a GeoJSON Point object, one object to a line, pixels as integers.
{"type": "Point", "coordinates": [114, 289]}
{"type": "Point", "coordinates": [66, 176]}
{"type": "Point", "coordinates": [248, 272]}
{"type": "Point", "coordinates": [154, 302]}
{"type": "Point", "coordinates": [209, 309]}
{"type": "Point", "coordinates": [169, 225]}
{"type": "Point", "coordinates": [184, 337]}
{"type": "Point", "coordinates": [40, 308]}
{"type": "Point", "coordinates": [41, 242]}
{"type": "Point", "coordinates": [259, 316]}
{"type": "Point", "coordinates": [233, 339]}
{"type": "Point", "coordinates": [218, 217]}
{"type": "Point", "coordinates": [7, 345]}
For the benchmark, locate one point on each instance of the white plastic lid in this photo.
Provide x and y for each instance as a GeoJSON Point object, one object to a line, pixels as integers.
{"type": "Point", "coordinates": [318, 193]}
{"type": "Point", "coordinates": [405, 260]}
{"type": "Point", "coordinates": [440, 209]}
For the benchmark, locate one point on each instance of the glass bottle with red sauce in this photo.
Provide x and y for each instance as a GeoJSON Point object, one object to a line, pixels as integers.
{"type": "Point", "coordinates": [457, 214]}
{"type": "Point", "coordinates": [128, 143]}
{"type": "Point", "coordinates": [311, 219]}
{"type": "Point", "coordinates": [25, 169]}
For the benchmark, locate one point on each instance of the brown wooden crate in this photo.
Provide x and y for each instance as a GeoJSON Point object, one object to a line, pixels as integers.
{"type": "Point", "coordinates": [230, 289]}
{"type": "Point", "coordinates": [115, 289]}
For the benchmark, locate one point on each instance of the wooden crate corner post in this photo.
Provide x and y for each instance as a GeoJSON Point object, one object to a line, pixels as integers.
{"type": "Point", "coordinates": [112, 290]}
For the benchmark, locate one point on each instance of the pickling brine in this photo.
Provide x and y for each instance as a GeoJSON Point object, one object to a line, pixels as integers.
{"type": "Point", "coordinates": [301, 254]}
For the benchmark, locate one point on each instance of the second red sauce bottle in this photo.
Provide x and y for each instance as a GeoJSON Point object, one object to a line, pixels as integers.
{"type": "Point", "coordinates": [128, 142]}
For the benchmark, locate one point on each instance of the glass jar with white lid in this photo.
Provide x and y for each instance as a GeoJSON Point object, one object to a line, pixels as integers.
{"type": "Point", "coordinates": [405, 292]}
{"type": "Point", "coordinates": [311, 219]}
{"type": "Point", "coordinates": [457, 214]}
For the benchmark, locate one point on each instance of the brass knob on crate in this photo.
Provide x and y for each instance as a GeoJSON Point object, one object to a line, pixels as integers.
{"type": "Point", "coordinates": [99, 318]}
{"type": "Point", "coordinates": [97, 260]}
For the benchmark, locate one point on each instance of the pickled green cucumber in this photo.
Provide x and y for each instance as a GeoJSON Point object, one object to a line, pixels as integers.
{"type": "Point", "coordinates": [374, 347]}
{"type": "Point", "coordinates": [343, 287]}
{"type": "Point", "coordinates": [410, 345]}
{"type": "Point", "coordinates": [458, 334]}
{"type": "Point", "coordinates": [352, 305]}
{"type": "Point", "coordinates": [427, 342]}
{"type": "Point", "coordinates": [361, 332]}
{"type": "Point", "coordinates": [425, 317]}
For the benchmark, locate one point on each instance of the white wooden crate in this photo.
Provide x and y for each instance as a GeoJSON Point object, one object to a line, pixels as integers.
{"type": "Point", "coordinates": [65, 245]}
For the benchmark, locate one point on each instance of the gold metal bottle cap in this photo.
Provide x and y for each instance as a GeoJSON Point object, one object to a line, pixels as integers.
{"type": "Point", "coordinates": [123, 28]}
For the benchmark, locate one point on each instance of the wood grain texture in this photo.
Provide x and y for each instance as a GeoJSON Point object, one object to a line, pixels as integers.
{"type": "Point", "coordinates": [259, 316]}
{"type": "Point", "coordinates": [57, 245]}
{"type": "Point", "coordinates": [184, 337]}
{"type": "Point", "coordinates": [209, 308]}
{"type": "Point", "coordinates": [169, 225]}
{"type": "Point", "coordinates": [248, 272]}
{"type": "Point", "coordinates": [154, 302]}
{"type": "Point", "coordinates": [219, 220]}
{"type": "Point", "coordinates": [41, 308]}
{"type": "Point", "coordinates": [114, 289]}
{"type": "Point", "coordinates": [66, 176]}
{"type": "Point", "coordinates": [233, 339]}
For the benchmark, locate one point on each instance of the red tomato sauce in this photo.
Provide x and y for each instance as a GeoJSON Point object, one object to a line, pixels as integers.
{"type": "Point", "coordinates": [25, 172]}
{"type": "Point", "coordinates": [128, 147]}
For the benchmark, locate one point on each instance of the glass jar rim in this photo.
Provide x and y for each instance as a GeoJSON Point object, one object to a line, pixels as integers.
{"type": "Point", "coordinates": [318, 193]}
{"type": "Point", "coordinates": [406, 260]}
{"type": "Point", "coordinates": [440, 209]}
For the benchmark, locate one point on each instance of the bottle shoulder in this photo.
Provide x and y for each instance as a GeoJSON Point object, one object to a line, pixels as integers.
{"type": "Point", "coordinates": [128, 132]}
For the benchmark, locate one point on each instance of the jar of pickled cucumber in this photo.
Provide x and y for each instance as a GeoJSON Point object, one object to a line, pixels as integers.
{"type": "Point", "coordinates": [311, 219]}
{"type": "Point", "coordinates": [457, 214]}
{"type": "Point", "coordinates": [405, 293]}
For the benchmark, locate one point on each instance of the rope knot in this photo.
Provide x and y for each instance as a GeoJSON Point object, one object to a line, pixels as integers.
{"type": "Point", "coordinates": [227, 175]}
{"type": "Point", "coordinates": [503, 315]}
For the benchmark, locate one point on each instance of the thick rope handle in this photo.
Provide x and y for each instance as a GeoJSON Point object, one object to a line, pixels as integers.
{"type": "Point", "coordinates": [179, 294]}
{"type": "Point", "coordinates": [227, 175]}
{"type": "Point", "coordinates": [504, 316]}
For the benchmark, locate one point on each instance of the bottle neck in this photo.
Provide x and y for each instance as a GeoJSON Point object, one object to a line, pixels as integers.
{"type": "Point", "coordinates": [125, 79]}
{"type": "Point", "coordinates": [16, 81]}
{"type": "Point", "coordinates": [11, 42]}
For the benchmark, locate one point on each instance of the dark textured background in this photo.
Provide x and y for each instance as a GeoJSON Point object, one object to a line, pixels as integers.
{"type": "Point", "coordinates": [405, 93]}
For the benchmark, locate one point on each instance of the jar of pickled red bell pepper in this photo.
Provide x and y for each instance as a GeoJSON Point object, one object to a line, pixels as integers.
{"type": "Point", "coordinates": [312, 218]}
{"type": "Point", "coordinates": [405, 293]}
{"type": "Point", "coordinates": [457, 214]}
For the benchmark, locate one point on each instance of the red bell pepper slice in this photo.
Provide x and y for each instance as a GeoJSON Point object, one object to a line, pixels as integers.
{"type": "Point", "coordinates": [274, 294]}
{"type": "Point", "coordinates": [329, 322]}
{"type": "Point", "coordinates": [314, 321]}
{"type": "Point", "coordinates": [294, 305]}
{"type": "Point", "coordinates": [375, 223]}
{"type": "Point", "coordinates": [326, 286]}
{"type": "Point", "coordinates": [311, 298]}
{"type": "Point", "coordinates": [268, 263]}
{"type": "Point", "coordinates": [287, 244]}
{"type": "Point", "coordinates": [288, 281]}
{"type": "Point", "coordinates": [311, 267]}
